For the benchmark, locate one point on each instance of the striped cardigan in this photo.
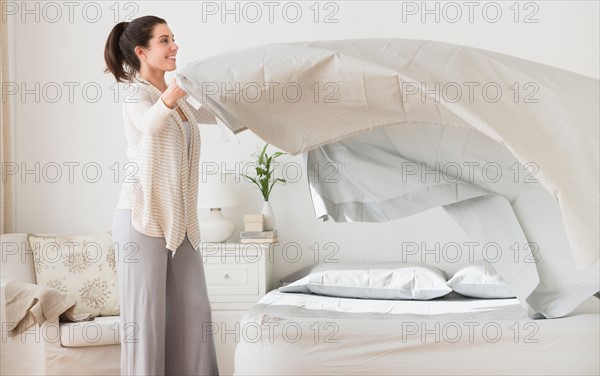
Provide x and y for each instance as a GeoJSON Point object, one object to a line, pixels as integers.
{"type": "Point", "coordinates": [162, 192]}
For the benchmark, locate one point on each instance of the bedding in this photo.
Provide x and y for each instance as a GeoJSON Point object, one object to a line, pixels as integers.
{"type": "Point", "coordinates": [373, 280]}
{"type": "Point", "coordinates": [304, 334]}
{"type": "Point", "coordinates": [480, 280]}
{"type": "Point", "coordinates": [371, 107]}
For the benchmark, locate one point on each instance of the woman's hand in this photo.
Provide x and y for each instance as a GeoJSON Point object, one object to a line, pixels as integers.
{"type": "Point", "coordinates": [172, 94]}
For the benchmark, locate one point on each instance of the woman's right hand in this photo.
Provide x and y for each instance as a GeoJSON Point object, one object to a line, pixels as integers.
{"type": "Point", "coordinates": [172, 94]}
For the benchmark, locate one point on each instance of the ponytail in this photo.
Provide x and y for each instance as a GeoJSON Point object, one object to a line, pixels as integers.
{"type": "Point", "coordinates": [112, 53]}
{"type": "Point", "coordinates": [119, 52]}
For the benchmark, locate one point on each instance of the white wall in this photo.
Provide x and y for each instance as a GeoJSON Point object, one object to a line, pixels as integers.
{"type": "Point", "coordinates": [63, 53]}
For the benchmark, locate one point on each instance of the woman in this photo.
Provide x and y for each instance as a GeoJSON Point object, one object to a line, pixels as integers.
{"type": "Point", "coordinates": [165, 311]}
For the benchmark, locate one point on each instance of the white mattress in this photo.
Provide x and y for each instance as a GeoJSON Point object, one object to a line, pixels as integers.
{"type": "Point", "coordinates": [306, 334]}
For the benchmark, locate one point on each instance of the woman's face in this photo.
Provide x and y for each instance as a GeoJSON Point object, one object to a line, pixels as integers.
{"type": "Point", "coordinates": [161, 51]}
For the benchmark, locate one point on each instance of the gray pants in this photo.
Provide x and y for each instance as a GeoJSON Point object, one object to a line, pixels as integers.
{"type": "Point", "coordinates": [165, 311]}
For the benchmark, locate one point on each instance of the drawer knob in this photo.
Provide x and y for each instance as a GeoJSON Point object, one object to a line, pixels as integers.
{"type": "Point", "coordinates": [226, 276]}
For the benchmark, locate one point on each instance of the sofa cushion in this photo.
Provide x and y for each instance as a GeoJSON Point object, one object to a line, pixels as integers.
{"type": "Point", "coordinates": [100, 332]}
{"type": "Point", "coordinates": [82, 267]}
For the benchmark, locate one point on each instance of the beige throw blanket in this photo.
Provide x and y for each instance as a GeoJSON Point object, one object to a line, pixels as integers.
{"type": "Point", "coordinates": [28, 304]}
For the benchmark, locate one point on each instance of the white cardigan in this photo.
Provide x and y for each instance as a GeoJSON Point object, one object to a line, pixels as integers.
{"type": "Point", "coordinates": [162, 191]}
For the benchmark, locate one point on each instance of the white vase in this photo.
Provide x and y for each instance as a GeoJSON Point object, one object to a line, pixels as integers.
{"type": "Point", "coordinates": [268, 217]}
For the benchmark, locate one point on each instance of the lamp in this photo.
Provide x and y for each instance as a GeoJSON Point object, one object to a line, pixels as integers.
{"type": "Point", "coordinates": [215, 192]}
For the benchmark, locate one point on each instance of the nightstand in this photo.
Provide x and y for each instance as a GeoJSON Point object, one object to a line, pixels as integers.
{"type": "Point", "coordinates": [237, 276]}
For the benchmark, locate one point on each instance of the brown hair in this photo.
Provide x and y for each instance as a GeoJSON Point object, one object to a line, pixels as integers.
{"type": "Point", "coordinates": [119, 52]}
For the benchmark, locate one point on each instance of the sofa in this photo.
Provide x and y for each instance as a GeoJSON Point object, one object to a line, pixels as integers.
{"type": "Point", "coordinates": [53, 348]}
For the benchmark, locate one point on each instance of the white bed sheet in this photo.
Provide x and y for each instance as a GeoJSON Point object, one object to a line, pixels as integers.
{"type": "Point", "coordinates": [305, 334]}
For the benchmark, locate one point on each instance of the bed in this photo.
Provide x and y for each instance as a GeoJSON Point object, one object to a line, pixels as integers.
{"type": "Point", "coordinates": [308, 334]}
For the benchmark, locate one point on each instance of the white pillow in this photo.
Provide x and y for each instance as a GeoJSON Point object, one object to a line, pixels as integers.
{"type": "Point", "coordinates": [373, 280]}
{"type": "Point", "coordinates": [480, 280]}
{"type": "Point", "coordinates": [81, 267]}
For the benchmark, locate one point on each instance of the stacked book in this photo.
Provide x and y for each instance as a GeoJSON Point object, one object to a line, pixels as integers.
{"type": "Point", "coordinates": [253, 222]}
{"type": "Point", "coordinates": [254, 231]}
{"type": "Point", "coordinates": [258, 237]}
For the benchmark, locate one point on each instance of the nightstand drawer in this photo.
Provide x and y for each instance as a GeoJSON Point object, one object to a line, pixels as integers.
{"type": "Point", "coordinates": [231, 279]}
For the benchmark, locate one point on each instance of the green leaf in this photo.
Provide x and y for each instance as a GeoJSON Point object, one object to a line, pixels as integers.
{"type": "Point", "coordinates": [262, 154]}
{"type": "Point", "coordinates": [272, 184]}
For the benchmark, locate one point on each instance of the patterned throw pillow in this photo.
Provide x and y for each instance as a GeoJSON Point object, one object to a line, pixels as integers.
{"type": "Point", "coordinates": [82, 267]}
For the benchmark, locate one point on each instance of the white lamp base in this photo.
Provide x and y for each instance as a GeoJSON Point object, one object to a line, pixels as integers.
{"type": "Point", "coordinates": [216, 228]}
